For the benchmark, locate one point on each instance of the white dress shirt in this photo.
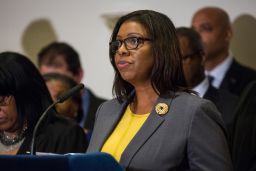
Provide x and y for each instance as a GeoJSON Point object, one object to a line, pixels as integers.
{"type": "Point", "coordinates": [220, 71]}
{"type": "Point", "coordinates": [202, 87]}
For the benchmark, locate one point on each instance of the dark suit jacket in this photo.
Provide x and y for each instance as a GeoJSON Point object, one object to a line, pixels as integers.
{"type": "Point", "coordinates": [225, 102]}
{"type": "Point", "coordinates": [93, 104]}
{"type": "Point", "coordinates": [244, 131]}
{"type": "Point", "coordinates": [237, 78]}
{"type": "Point", "coordinates": [190, 136]}
{"type": "Point", "coordinates": [57, 135]}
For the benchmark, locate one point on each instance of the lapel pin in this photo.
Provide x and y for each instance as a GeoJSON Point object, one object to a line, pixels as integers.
{"type": "Point", "coordinates": [161, 108]}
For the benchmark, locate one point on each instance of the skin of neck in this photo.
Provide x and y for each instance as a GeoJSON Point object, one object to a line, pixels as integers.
{"type": "Point", "coordinates": [144, 99]}
{"type": "Point", "coordinates": [212, 62]}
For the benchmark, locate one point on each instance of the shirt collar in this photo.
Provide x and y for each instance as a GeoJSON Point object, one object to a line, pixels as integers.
{"type": "Point", "coordinates": [220, 71]}
{"type": "Point", "coordinates": [202, 87]}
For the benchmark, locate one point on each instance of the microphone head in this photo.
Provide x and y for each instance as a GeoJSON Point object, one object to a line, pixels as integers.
{"type": "Point", "coordinates": [70, 93]}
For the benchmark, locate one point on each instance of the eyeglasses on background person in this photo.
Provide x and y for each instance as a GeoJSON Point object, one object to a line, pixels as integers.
{"type": "Point", "coordinates": [5, 100]}
{"type": "Point", "coordinates": [192, 55]}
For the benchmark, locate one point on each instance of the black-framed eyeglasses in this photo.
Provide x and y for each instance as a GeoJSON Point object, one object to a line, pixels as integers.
{"type": "Point", "coordinates": [5, 100]}
{"type": "Point", "coordinates": [191, 55]}
{"type": "Point", "coordinates": [130, 43]}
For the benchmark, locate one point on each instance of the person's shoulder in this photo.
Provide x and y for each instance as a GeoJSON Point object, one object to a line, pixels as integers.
{"type": "Point", "coordinates": [111, 103]}
{"type": "Point", "coordinates": [192, 104]}
{"type": "Point", "coordinates": [94, 97]}
{"type": "Point", "coordinates": [221, 95]}
{"type": "Point", "coordinates": [62, 125]}
{"type": "Point", "coordinates": [62, 120]}
{"type": "Point", "coordinates": [242, 69]}
{"type": "Point", "coordinates": [189, 98]}
{"type": "Point", "coordinates": [62, 135]}
{"type": "Point", "coordinates": [224, 94]}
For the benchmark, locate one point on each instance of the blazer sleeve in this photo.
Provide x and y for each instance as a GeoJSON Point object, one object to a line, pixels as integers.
{"type": "Point", "coordinates": [207, 143]}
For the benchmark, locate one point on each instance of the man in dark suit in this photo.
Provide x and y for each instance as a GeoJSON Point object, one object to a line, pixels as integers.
{"type": "Point", "coordinates": [243, 135]}
{"type": "Point", "coordinates": [62, 58]}
{"type": "Point", "coordinates": [214, 26]}
{"type": "Point", "coordinates": [193, 60]}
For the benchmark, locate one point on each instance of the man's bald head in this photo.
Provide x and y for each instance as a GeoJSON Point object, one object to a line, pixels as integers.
{"type": "Point", "coordinates": [218, 15]}
{"type": "Point", "coordinates": [214, 26]}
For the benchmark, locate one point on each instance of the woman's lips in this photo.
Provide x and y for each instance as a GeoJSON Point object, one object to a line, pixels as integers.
{"type": "Point", "coordinates": [123, 64]}
{"type": "Point", "coordinates": [2, 119]}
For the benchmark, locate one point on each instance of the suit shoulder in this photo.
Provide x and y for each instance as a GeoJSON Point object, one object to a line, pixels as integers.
{"type": "Point", "coordinates": [61, 125]}
{"type": "Point", "coordinates": [193, 105]}
{"type": "Point", "coordinates": [242, 69]}
{"type": "Point", "coordinates": [95, 98]}
{"type": "Point", "coordinates": [226, 95]}
{"type": "Point", "coordinates": [190, 99]}
{"type": "Point", "coordinates": [111, 103]}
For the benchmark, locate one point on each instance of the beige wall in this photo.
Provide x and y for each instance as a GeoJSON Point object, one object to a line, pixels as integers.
{"type": "Point", "coordinates": [243, 44]}
{"type": "Point", "coordinates": [27, 25]}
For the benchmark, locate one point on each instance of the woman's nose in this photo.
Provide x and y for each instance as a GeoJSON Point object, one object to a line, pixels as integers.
{"type": "Point", "coordinates": [122, 50]}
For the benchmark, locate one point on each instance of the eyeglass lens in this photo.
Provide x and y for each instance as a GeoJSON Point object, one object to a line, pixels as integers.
{"type": "Point", "coordinates": [130, 43]}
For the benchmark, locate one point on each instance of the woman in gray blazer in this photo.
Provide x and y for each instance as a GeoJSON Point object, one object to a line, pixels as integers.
{"type": "Point", "coordinates": [155, 123]}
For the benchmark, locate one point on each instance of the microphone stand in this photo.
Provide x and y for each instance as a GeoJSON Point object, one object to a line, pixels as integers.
{"type": "Point", "coordinates": [33, 144]}
{"type": "Point", "coordinates": [61, 99]}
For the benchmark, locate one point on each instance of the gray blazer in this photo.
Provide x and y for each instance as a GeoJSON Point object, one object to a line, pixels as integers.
{"type": "Point", "coordinates": [190, 136]}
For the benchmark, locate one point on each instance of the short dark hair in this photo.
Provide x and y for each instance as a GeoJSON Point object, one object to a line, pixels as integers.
{"type": "Point", "coordinates": [20, 78]}
{"type": "Point", "coordinates": [49, 53]}
{"type": "Point", "coordinates": [194, 38]}
{"type": "Point", "coordinates": [167, 73]}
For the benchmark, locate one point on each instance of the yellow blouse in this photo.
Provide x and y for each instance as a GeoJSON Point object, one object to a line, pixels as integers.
{"type": "Point", "coordinates": [124, 132]}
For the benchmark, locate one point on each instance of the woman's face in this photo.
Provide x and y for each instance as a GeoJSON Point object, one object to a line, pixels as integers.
{"type": "Point", "coordinates": [134, 65]}
{"type": "Point", "coordinates": [68, 108]}
{"type": "Point", "coordinates": [8, 114]}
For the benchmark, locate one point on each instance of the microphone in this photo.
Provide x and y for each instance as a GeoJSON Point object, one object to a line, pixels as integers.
{"type": "Point", "coordinates": [71, 92]}
{"type": "Point", "coordinates": [60, 99]}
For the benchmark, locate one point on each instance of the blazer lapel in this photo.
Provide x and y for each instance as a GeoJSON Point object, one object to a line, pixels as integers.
{"type": "Point", "coordinates": [147, 130]}
{"type": "Point", "coordinates": [230, 79]}
{"type": "Point", "coordinates": [212, 94]}
{"type": "Point", "coordinates": [106, 129]}
{"type": "Point", "coordinates": [109, 120]}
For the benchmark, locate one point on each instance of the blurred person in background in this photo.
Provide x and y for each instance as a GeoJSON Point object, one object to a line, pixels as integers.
{"type": "Point", "coordinates": [213, 24]}
{"type": "Point", "coordinates": [193, 57]}
{"type": "Point", "coordinates": [60, 57]}
{"type": "Point", "coordinates": [23, 99]}
{"type": "Point", "coordinates": [57, 85]}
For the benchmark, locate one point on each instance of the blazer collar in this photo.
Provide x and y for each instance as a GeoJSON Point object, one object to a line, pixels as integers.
{"type": "Point", "coordinates": [147, 130]}
{"type": "Point", "coordinates": [108, 122]}
{"type": "Point", "coordinates": [113, 119]}
{"type": "Point", "coordinates": [212, 94]}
